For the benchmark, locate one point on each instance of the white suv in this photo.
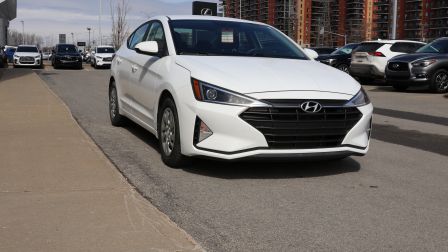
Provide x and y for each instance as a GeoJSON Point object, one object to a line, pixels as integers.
{"type": "Point", "coordinates": [229, 89]}
{"type": "Point", "coordinates": [27, 55]}
{"type": "Point", "coordinates": [102, 56]}
{"type": "Point", "coordinates": [370, 58]}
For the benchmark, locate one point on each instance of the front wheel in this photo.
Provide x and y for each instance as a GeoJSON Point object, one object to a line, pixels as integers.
{"type": "Point", "coordinates": [439, 81]}
{"type": "Point", "coordinates": [169, 135]}
{"type": "Point", "coordinates": [114, 110]}
{"type": "Point", "coordinates": [343, 67]}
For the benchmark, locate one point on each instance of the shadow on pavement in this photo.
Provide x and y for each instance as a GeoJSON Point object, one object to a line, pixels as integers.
{"type": "Point", "coordinates": [272, 169]}
{"type": "Point", "coordinates": [142, 134]}
{"type": "Point", "coordinates": [8, 74]}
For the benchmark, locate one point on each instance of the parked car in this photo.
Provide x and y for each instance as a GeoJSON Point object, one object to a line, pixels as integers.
{"type": "Point", "coordinates": [66, 55]}
{"type": "Point", "coordinates": [231, 89]}
{"type": "Point", "coordinates": [323, 50]}
{"type": "Point", "coordinates": [370, 58]}
{"type": "Point", "coordinates": [103, 56]}
{"type": "Point", "coordinates": [10, 53]}
{"type": "Point", "coordinates": [427, 67]}
{"type": "Point", "coordinates": [340, 58]}
{"type": "Point", "coordinates": [27, 56]}
{"type": "Point", "coordinates": [45, 55]}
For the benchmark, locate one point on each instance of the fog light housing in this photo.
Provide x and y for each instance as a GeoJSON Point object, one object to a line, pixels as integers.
{"type": "Point", "coordinates": [420, 76]}
{"type": "Point", "coordinates": [201, 131]}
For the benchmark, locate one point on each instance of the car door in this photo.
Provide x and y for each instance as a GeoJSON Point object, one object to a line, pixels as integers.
{"type": "Point", "coordinates": [146, 77]}
{"type": "Point", "coordinates": [125, 60]}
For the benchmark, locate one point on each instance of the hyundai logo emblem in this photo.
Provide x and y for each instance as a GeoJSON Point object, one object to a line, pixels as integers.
{"type": "Point", "coordinates": [206, 12]}
{"type": "Point", "coordinates": [311, 107]}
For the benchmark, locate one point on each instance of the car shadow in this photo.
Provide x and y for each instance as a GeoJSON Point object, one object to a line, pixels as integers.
{"type": "Point", "coordinates": [271, 169]}
{"type": "Point", "coordinates": [142, 134]}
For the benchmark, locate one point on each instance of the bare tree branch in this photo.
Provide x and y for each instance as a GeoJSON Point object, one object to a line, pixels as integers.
{"type": "Point", "coordinates": [120, 30]}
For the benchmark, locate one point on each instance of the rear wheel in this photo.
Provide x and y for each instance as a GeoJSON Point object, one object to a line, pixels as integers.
{"type": "Point", "coordinates": [439, 81]}
{"type": "Point", "coordinates": [343, 67]}
{"type": "Point", "coordinates": [114, 110]}
{"type": "Point", "coordinates": [169, 136]}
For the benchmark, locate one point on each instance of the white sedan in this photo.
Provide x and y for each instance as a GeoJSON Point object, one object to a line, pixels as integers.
{"type": "Point", "coordinates": [231, 89]}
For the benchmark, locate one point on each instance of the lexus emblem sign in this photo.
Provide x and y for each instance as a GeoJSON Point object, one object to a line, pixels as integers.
{"type": "Point", "coordinates": [205, 8]}
{"type": "Point", "coordinates": [311, 107]}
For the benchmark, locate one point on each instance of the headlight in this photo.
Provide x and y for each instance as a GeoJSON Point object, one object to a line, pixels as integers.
{"type": "Point", "coordinates": [209, 93]}
{"type": "Point", "coordinates": [328, 61]}
{"type": "Point", "coordinates": [423, 63]}
{"type": "Point", "coordinates": [37, 57]}
{"type": "Point", "coordinates": [16, 56]}
{"type": "Point", "coordinates": [360, 99]}
{"type": "Point", "coordinates": [98, 57]}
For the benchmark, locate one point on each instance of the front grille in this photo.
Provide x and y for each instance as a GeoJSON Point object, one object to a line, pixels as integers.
{"type": "Point", "coordinates": [398, 66]}
{"type": "Point", "coordinates": [291, 128]}
{"type": "Point", "coordinates": [107, 59]}
{"type": "Point", "coordinates": [26, 60]}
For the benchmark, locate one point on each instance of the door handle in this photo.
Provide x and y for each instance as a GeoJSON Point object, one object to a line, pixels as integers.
{"type": "Point", "coordinates": [134, 68]}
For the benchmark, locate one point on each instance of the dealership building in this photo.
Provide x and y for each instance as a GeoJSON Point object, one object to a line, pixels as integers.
{"type": "Point", "coordinates": [8, 11]}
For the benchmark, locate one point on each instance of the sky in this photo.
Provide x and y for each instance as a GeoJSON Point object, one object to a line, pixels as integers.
{"type": "Point", "coordinates": [48, 18]}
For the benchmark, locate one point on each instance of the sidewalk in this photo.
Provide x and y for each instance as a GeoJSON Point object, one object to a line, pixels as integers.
{"type": "Point", "coordinates": [58, 192]}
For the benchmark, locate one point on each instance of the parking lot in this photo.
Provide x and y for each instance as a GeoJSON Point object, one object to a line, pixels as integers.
{"type": "Point", "coordinates": [395, 198]}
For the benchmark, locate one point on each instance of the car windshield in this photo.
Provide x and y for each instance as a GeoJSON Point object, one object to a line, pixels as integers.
{"type": "Point", "coordinates": [27, 49]}
{"type": "Point", "coordinates": [345, 49]}
{"type": "Point", "coordinates": [67, 49]}
{"type": "Point", "coordinates": [437, 46]}
{"type": "Point", "coordinates": [105, 50]}
{"type": "Point", "coordinates": [226, 38]}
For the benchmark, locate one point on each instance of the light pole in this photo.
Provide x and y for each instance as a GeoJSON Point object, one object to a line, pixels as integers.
{"type": "Point", "coordinates": [88, 28]}
{"type": "Point", "coordinates": [23, 31]}
{"type": "Point", "coordinates": [73, 38]}
{"type": "Point", "coordinates": [101, 13]}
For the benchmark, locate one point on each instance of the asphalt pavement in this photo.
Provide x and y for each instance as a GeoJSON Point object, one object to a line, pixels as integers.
{"type": "Point", "coordinates": [393, 199]}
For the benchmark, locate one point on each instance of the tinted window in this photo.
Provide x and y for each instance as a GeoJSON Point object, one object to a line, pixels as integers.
{"type": "Point", "coordinates": [437, 46]}
{"type": "Point", "coordinates": [345, 49]}
{"type": "Point", "coordinates": [67, 49]}
{"type": "Point", "coordinates": [405, 47]}
{"type": "Point", "coordinates": [27, 49]}
{"type": "Point", "coordinates": [105, 50]}
{"type": "Point", "coordinates": [138, 36]}
{"type": "Point", "coordinates": [224, 38]}
{"type": "Point", "coordinates": [368, 47]}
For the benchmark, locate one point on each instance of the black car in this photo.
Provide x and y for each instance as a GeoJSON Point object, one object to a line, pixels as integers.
{"type": "Point", "coordinates": [340, 58]}
{"type": "Point", "coordinates": [428, 66]}
{"type": "Point", "coordinates": [66, 55]}
{"type": "Point", "coordinates": [323, 50]}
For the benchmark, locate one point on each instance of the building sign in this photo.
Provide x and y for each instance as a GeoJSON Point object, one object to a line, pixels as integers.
{"type": "Point", "coordinates": [205, 8]}
{"type": "Point", "coordinates": [81, 43]}
{"type": "Point", "coordinates": [62, 39]}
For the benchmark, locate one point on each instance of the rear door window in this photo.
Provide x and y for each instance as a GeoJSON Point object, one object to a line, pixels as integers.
{"type": "Point", "coordinates": [405, 47]}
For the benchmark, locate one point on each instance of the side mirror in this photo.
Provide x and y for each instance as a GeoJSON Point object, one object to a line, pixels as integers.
{"type": "Point", "coordinates": [311, 53]}
{"type": "Point", "coordinates": [147, 47]}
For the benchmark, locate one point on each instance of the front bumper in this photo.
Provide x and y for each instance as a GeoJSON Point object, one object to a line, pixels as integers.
{"type": "Point", "coordinates": [102, 62]}
{"type": "Point", "coordinates": [35, 62]}
{"type": "Point", "coordinates": [233, 138]}
{"type": "Point", "coordinates": [365, 71]}
{"type": "Point", "coordinates": [412, 76]}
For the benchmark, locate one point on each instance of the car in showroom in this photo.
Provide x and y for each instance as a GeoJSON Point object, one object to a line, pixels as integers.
{"type": "Point", "coordinates": [370, 58]}
{"type": "Point", "coordinates": [102, 56]}
{"type": "Point", "coordinates": [66, 55]}
{"type": "Point", "coordinates": [428, 67]}
{"type": "Point", "coordinates": [340, 58]}
{"type": "Point", "coordinates": [27, 56]}
{"type": "Point", "coordinates": [231, 89]}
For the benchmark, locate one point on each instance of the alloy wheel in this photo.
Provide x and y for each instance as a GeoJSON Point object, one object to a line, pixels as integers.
{"type": "Point", "coordinates": [113, 103]}
{"type": "Point", "coordinates": [168, 131]}
{"type": "Point", "coordinates": [442, 81]}
{"type": "Point", "coordinates": [343, 68]}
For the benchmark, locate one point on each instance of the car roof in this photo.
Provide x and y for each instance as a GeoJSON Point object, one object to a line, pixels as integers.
{"type": "Point", "coordinates": [27, 46]}
{"type": "Point", "coordinates": [200, 17]}
{"type": "Point", "coordinates": [391, 41]}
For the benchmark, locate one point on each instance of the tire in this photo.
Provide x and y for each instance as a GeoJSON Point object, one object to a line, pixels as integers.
{"type": "Point", "coordinates": [116, 119]}
{"type": "Point", "coordinates": [169, 137]}
{"type": "Point", "coordinates": [343, 67]}
{"type": "Point", "coordinates": [439, 81]}
{"type": "Point", "coordinates": [400, 87]}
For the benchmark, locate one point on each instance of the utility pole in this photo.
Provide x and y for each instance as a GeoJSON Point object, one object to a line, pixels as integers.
{"type": "Point", "coordinates": [101, 13]}
{"type": "Point", "coordinates": [23, 31]}
{"type": "Point", "coordinates": [394, 19]}
{"type": "Point", "coordinates": [88, 28]}
{"type": "Point", "coordinates": [240, 9]}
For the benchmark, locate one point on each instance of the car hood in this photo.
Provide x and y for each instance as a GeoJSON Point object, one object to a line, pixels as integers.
{"type": "Point", "coordinates": [30, 54]}
{"type": "Point", "coordinates": [255, 74]}
{"type": "Point", "coordinates": [413, 56]}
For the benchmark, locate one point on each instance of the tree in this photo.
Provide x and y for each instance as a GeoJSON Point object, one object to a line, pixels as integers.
{"type": "Point", "coordinates": [120, 30]}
